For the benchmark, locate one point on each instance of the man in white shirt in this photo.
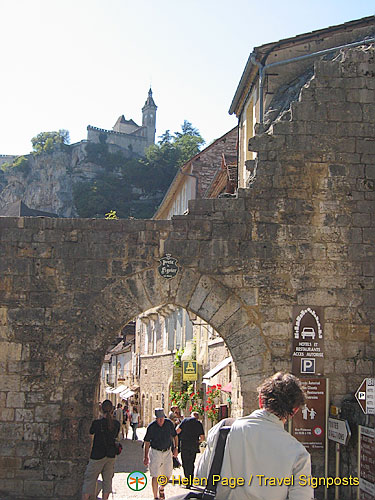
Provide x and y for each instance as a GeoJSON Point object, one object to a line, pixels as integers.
{"type": "Point", "coordinates": [258, 447]}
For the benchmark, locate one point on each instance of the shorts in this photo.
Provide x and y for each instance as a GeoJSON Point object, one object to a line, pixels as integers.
{"type": "Point", "coordinates": [106, 467]}
{"type": "Point", "coordinates": [160, 463]}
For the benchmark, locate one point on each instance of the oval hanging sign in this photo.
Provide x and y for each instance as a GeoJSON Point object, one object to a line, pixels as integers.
{"type": "Point", "coordinates": [168, 267]}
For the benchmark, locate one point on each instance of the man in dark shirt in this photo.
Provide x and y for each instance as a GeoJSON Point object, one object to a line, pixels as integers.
{"type": "Point", "coordinates": [160, 435]}
{"type": "Point", "coordinates": [190, 433]}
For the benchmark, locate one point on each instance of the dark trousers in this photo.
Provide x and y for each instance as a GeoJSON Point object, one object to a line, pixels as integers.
{"type": "Point", "coordinates": [188, 459]}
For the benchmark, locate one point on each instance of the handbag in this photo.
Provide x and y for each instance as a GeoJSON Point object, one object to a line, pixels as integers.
{"type": "Point", "coordinates": [118, 446]}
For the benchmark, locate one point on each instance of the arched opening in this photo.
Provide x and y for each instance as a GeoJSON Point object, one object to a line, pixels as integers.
{"type": "Point", "coordinates": [209, 306]}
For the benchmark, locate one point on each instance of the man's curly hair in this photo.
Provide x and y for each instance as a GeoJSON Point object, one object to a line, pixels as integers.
{"type": "Point", "coordinates": [281, 394]}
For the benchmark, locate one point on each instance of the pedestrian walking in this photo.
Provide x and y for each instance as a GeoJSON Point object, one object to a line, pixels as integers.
{"type": "Point", "coordinates": [160, 437]}
{"type": "Point", "coordinates": [119, 416]}
{"type": "Point", "coordinates": [134, 422]}
{"type": "Point", "coordinates": [190, 432]}
{"type": "Point", "coordinates": [126, 420]}
{"type": "Point", "coordinates": [103, 452]}
{"type": "Point", "coordinates": [258, 444]}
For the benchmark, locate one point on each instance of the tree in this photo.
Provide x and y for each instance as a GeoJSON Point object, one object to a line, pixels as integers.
{"type": "Point", "coordinates": [172, 151]}
{"type": "Point", "coordinates": [46, 142]}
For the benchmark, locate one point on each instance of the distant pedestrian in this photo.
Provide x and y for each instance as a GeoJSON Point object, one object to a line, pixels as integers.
{"type": "Point", "coordinates": [119, 416]}
{"type": "Point", "coordinates": [191, 433]}
{"type": "Point", "coordinates": [126, 420]}
{"type": "Point", "coordinates": [103, 452]}
{"type": "Point", "coordinates": [160, 437]}
{"type": "Point", "coordinates": [172, 414]}
{"type": "Point", "coordinates": [134, 422]}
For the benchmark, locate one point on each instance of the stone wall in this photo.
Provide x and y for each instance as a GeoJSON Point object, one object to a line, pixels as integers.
{"type": "Point", "coordinates": [303, 234]}
{"type": "Point", "coordinates": [134, 143]}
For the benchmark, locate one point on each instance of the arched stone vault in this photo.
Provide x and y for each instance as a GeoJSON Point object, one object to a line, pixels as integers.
{"type": "Point", "coordinates": [238, 324]}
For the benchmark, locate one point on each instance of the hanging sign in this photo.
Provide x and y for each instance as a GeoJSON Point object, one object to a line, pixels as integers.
{"type": "Point", "coordinates": [308, 424]}
{"type": "Point", "coordinates": [308, 347]}
{"type": "Point", "coordinates": [177, 378]}
{"type": "Point", "coordinates": [189, 370]}
{"type": "Point", "coordinates": [168, 267]}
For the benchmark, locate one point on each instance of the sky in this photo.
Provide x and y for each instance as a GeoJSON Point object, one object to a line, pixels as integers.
{"type": "Point", "coordinates": [67, 64]}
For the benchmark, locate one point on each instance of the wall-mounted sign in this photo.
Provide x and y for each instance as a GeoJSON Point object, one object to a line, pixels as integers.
{"type": "Point", "coordinates": [308, 342]}
{"type": "Point", "coordinates": [366, 463]}
{"type": "Point", "coordinates": [366, 396]}
{"type": "Point", "coordinates": [189, 370]}
{"type": "Point", "coordinates": [308, 425]}
{"type": "Point", "coordinates": [168, 267]}
{"type": "Point", "coordinates": [338, 431]}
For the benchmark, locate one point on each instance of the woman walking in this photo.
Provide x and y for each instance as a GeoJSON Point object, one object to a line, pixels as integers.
{"type": "Point", "coordinates": [134, 422]}
{"type": "Point", "coordinates": [103, 452]}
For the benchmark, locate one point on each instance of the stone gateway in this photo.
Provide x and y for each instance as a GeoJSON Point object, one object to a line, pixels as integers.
{"type": "Point", "coordinates": [302, 235]}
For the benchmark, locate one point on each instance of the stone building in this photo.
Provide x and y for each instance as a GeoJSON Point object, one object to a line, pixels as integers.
{"type": "Point", "coordinates": [301, 236]}
{"type": "Point", "coordinates": [161, 332]}
{"type": "Point", "coordinates": [285, 66]}
{"type": "Point", "coordinates": [126, 135]}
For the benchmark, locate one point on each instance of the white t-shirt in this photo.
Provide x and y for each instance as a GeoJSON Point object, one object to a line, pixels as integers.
{"type": "Point", "coordinates": [134, 418]}
{"type": "Point", "coordinates": [118, 415]}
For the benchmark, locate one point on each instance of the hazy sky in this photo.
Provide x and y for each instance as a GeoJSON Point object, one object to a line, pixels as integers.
{"type": "Point", "coordinates": [71, 63]}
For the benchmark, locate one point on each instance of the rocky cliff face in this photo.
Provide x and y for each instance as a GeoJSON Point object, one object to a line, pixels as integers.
{"type": "Point", "coordinates": [46, 183]}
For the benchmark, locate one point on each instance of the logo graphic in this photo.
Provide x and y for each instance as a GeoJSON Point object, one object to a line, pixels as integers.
{"type": "Point", "coordinates": [317, 431]}
{"type": "Point", "coordinates": [307, 365]}
{"type": "Point", "coordinates": [137, 481]}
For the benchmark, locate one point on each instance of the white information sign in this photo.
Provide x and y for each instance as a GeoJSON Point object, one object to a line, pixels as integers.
{"type": "Point", "coordinates": [338, 430]}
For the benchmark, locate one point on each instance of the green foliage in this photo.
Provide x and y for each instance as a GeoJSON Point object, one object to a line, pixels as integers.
{"type": "Point", "coordinates": [134, 186]}
{"type": "Point", "coordinates": [47, 142]}
{"type": "Point", "coordinates": [20, 164]}
{"type": "Point", "coordinates": [177, 357]}
{"type": "Point", "coordinates": [173, 151]}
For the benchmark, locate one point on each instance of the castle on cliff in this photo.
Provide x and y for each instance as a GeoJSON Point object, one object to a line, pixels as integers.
{"type": "Point", "coordinates": [126, 134]}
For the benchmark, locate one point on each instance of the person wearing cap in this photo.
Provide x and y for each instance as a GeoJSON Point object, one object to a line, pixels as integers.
{"type": "Point", "coordinates": [160, 436]}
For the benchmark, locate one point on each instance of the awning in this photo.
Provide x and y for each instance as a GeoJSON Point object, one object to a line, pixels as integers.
{"type": "Point", "coordinates": [126, 394]}
{"type": "Point", "coordinates": [117, 389]}
{"type": "Point", "coordinates": [227, 388]}
{"type": "Point", "coordinates": [217, 369]}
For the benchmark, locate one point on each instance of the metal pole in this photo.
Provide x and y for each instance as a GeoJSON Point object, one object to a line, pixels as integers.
{"type": "Point", "coordinates": [261, 72]}
{"type": "Point", "coordinates": [337, 469]}
{"type": "Point", "coordinates": [359, 458]}
{"type": "Point", "coordinates": [326, 439]}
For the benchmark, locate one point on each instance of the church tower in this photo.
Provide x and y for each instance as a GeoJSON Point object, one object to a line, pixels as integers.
{"type": "Point", "coordinates": [149, 118]}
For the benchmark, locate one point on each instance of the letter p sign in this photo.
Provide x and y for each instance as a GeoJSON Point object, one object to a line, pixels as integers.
{"type": "Point", "coordinates": [307, 365]}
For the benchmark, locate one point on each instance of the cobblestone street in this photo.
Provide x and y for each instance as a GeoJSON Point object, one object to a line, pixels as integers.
{"type": "Point", "coordinates": [131, 459]}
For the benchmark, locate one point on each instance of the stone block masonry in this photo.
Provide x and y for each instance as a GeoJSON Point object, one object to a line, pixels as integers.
{"type": "Point", "coordinates": [301, 235]}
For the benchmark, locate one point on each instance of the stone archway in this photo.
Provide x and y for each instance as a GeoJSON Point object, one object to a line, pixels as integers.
{"type": "Point", "coordinates": [70, 299]}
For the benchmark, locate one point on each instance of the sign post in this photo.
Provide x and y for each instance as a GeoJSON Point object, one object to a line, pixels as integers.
{"type": "Point", "coordinates": [308, 425]}
{"type": "Point", "coordinates": [338, 431]}
{"type": "Point", "coordinates": [365, 396]}
{"type": "Point", "coordinates": [366, 463]}
{"type": "Point", "coordinates": [308, 343]}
